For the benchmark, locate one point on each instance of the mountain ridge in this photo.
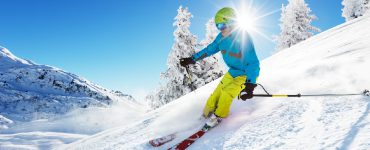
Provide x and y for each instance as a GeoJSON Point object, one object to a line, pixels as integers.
{"type": "Point", "coordinates": [31, 91]}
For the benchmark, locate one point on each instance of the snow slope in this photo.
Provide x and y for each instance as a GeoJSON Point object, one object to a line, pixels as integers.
{"type": "Point", "coordinates": [42, 107]}
{"type": "Point", "coordinates": [335, 61]}
{"type": "Point", "coordinates": [4, 122]}
{"type": "Point", "coordinates": [30, 91]}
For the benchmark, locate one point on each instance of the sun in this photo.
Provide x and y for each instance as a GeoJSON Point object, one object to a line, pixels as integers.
{"type": "Point", "coordinates": [253, 18]}
{"type": "Point", "coordinates": [246, 21]}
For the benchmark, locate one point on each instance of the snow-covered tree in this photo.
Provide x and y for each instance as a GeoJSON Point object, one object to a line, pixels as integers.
{"type": "Point", "coordinates": [211, 33]}
{"type": "Point", "coordinates": [177, 80]}
{"type": "Point", "coordinates": [211, 67]}
{"type": "Point", "coordinates": [295, 24]}
{"type": "Point", "coordinates": [354, 8]}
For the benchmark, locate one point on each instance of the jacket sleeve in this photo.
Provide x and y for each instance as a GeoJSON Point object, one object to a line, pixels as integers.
{"type": "Point", "coordinates": [253, 73]}
{"type": "Point", "coordinates": [209, 50]}
{"type": "Point", "coordinates": [250, 61]}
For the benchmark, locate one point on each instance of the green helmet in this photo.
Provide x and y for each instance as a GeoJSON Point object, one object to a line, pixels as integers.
{"type": "Point", "coordinates": [225, 15]}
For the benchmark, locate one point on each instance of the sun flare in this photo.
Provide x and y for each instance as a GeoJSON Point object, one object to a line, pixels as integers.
{"type": "Point", "coordinates": [253, 18]}
{"type": "Point", "coordinates": [245, 21]}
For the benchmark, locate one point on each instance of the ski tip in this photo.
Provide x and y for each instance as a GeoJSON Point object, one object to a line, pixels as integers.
{"type": "Point", "coordinates": [154, 144]}
{"type": "Point", "coordinates": [162, 140]}
{"type": "Point", "coordinates": [366, 92]}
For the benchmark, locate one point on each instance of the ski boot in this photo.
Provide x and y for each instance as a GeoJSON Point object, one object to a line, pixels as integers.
{"type": "Point", "coordinates": [212, 121]}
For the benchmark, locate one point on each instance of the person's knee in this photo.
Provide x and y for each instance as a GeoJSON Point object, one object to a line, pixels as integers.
{"type": "Point", "coordinates": [233, 89]}
{"type": "Point", "coordinates": [230, 92]}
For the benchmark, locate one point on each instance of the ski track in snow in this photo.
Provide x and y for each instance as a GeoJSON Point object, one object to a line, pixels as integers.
{"type": "Point", "coordinates": [265, 131]}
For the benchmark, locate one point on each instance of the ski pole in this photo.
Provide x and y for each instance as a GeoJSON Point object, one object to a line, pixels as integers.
{"type": "Point", "coordinates": [276, 95]}
{"type": "Point", "coordinates": [189, 75]}
{"type": "Point", "coordinates": [365, 93]}
{"type": "Point", "coordinates": [190, 78]}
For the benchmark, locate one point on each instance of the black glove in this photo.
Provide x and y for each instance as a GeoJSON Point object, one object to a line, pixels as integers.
{"type": "Point", "coordinates": [186, 61]}
{"type": "Point", "coordinates": [247, 92]}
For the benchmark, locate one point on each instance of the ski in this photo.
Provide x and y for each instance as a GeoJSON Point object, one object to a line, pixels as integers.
{"type": "Point", "coordinates": [162, 140]}
{"type": "Point", "coordinates": [165, 139]}
{"type": "Point", "coordinates": [191, 139]}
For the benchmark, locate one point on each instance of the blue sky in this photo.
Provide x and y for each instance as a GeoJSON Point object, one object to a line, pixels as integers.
{"type": "Point", "coordinates": [121, 44]}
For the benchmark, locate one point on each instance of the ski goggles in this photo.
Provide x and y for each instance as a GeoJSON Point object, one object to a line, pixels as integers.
{"type": "Point", "coordinates": [221, 26]}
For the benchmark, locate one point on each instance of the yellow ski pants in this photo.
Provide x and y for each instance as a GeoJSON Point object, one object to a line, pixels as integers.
{"type": "Point", "coordinates": [220, 100]}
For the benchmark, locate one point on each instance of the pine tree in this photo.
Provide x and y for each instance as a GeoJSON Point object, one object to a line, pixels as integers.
{"type": "Point", "coordinates": [354, 8]}
{"type": "Point", "coordinates": [295, 24]}
{"type": "Point", "coordinates": [212, 67]}
{"type": "Point", "coordinates": [211, 33]}
{"type": "Point", "coordinates": [177, 81]}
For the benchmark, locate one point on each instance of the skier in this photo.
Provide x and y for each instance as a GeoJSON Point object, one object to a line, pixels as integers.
{"type": "Point", "coordinates": [239, 55]}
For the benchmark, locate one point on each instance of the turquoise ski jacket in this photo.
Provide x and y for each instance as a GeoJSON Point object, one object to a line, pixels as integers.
{"type": "Point", "coordinates": [238, 53]}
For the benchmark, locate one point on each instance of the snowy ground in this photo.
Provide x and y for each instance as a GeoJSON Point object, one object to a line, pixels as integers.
{"type": "Point", "coordinates": [63, 129]}
{"type": "Point", "coordinates": [30, 91]}
{"type": "Point", "coordinates": [42, 107]}
{"type": "Point", "coordinates": [335, 61]}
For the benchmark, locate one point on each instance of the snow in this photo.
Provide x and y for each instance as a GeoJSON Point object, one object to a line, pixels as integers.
{"type": "Point", "coordinates": [335, 61]}
{"type": "Point", "coordinates": [353, 9]}
{"type": "Point", "coordinates": [36, 140]}
{"type": "Point", "coordinates": [8, 59]}
{"type": "Point", "coordinates": [176, 81]}
{"type": "Point", "coordinates": [295, 24]}
{"type": "Point", "coordinates": [42, 107]}
{"type": "Point", "coordinates": [29, 91]}
{"type": "Point", "coordinates": [63, 129]}
{"type": "Point", "coordinates": [4, 122]}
